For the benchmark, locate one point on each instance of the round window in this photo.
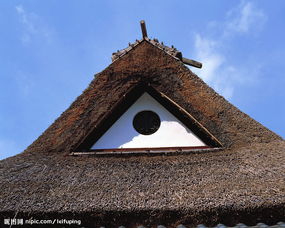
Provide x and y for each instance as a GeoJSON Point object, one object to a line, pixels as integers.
{"type": "Point", "coordinates": [146, 122]}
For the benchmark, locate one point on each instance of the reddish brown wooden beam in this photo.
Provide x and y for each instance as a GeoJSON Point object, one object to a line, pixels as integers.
{"type": "Point", "coordinates": [191, 62]}
{"type": "Point", "coordinates": [161, 150]}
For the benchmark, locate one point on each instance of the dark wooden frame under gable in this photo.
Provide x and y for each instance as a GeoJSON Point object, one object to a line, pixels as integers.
{"type": "Point", "coordinates": [125, 103]}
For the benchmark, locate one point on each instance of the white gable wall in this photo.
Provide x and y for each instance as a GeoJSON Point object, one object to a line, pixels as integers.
{"type": "Point", "coordinates": [172, 133]}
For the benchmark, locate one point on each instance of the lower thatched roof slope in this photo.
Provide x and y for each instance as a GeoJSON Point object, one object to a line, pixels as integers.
{"type": "Point", "coordinates": [149, 64]}
{"type": "Point", "coordinates": [228, 186]}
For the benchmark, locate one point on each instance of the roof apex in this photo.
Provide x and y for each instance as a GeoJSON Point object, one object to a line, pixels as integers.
{"type": "Point", "coordinates": [172, 51]}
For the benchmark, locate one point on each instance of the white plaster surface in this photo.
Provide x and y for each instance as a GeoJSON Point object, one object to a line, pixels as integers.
{"type": "Point", "coordinates": [172, 133]}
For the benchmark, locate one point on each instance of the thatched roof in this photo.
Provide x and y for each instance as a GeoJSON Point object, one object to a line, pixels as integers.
{"type": "Point", "coordinates": [244, 182]}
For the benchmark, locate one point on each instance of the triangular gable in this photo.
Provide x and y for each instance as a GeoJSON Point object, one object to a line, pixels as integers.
{"type": "Point", "coordinates": [89, 143]}
{"type": "Point", "coordinates": [147, 124]}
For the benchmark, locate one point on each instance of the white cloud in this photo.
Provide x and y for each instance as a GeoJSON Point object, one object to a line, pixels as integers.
{"type": "Point", "coordinates": [244, 18]}
{"type": "Point", "coordinates": [218, 71]}
{"type": "Point", "coordinates": [212, 60]}
{"type": "Point", "coordinates": [33, 27]}
{"type": "Point", "coordinates": [214, 71]}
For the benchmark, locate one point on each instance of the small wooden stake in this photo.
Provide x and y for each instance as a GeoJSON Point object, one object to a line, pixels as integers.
{"type": "Point", "coordinates": [143, 27]}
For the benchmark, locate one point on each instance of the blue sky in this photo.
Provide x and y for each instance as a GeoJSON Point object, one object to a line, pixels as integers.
{"type": "Point", "coordinates": [50, 51]}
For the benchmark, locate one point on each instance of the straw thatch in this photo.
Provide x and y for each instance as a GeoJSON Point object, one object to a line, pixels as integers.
{"type": "Point", "coordinates": [244, 182]}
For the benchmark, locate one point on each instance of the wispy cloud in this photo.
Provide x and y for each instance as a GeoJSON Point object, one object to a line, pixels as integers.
{"type": "Point", "coordinates": [218, 70]}
{"type": "Point", "coordinates": [24, 83]}
{"type": "Point", "coordinates": [206, 52]}
{"type": "Point", "coordinates": [244, 18]}
{"type": "Point", "coordinates": [33, 27]}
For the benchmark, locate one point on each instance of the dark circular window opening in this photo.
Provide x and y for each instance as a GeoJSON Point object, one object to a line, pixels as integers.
{"type": "Point", "coordinates": [146, 122]}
